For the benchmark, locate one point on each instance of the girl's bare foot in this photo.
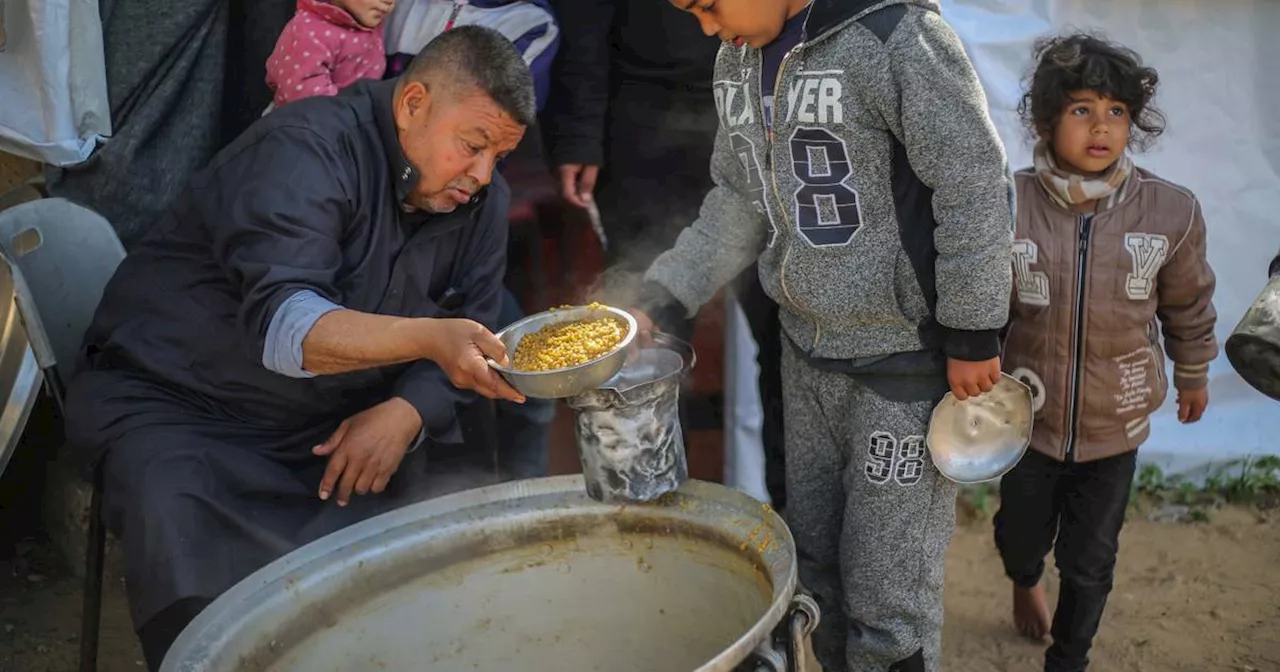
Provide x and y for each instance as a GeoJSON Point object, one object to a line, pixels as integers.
{"type": "Point", "coordinates": [1030, 612]}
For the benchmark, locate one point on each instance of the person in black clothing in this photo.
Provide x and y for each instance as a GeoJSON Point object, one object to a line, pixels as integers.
{"type": "Point", "coordinates": [630, 123]}
{"type": "Point", "coordinates": [311, 311]}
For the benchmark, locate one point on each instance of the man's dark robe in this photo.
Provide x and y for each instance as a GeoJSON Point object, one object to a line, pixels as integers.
{"type": "Point", "coordinates": [205, 453]}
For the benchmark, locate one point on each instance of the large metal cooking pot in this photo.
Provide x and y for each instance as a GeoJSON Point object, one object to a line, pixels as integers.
{"type": "Point", "coordinates": [532, 576]}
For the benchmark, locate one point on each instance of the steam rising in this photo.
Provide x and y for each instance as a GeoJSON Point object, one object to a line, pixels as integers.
{"type": "Point", "coordinates": [661, 175]}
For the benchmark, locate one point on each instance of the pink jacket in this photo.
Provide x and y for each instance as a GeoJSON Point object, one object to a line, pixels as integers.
{"type": "Point", "coordinates": [322, 50]}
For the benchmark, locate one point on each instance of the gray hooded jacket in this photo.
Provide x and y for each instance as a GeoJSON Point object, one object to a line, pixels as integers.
{"type": "Point", "coordinates": [879, 207]}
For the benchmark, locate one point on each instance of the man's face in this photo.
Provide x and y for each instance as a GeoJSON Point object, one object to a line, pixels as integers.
{"type": "Point", "coordinates": [454, 139]}
{"type": "Point", "coordinates": [753, 22]}
{"type": "Point", "coordinates": [368, 13]}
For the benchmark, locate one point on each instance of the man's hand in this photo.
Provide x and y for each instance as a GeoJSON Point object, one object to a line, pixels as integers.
{"type": "Point", "coordinates": [972, 379]}
{"type": "Point", "coordinates": [577, 182]}
{"type": "Point", "coordinates": [367, 448]}
{"type": "Point", "coordinates": [460, 347]}
{"type": "Point", "coordinates": [1191, 405]}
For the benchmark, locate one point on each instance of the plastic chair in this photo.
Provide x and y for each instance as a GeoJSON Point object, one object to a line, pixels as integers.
{"type": "Point", "coordinates": [64, 255]}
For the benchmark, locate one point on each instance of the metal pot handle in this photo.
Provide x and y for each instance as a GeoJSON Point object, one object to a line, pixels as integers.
{"type": "Point", "coordinates": [801, 620]}
{"type": "Point", "coordinates": [805, 616]}
{"type": "Point", "coordinates": [684, 348]}
{"type": "Point", "coordinates": [769, 659]}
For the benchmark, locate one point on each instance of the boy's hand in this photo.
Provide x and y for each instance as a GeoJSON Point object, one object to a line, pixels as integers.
{"type": "Point", "coordinates": [1191, 405]}
{"type": "Point", "coordinates": [644, 328]}
{"type": "Point", "coordinates": [971, 379]}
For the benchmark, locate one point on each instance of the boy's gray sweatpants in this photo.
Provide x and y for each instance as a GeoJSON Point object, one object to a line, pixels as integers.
{"type": "Point", "coordinates": [871, 517]}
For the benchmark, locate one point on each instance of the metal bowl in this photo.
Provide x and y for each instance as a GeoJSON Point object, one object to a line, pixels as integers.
{"type": "Point", "coordinates": [1253, 349]}
{"type": "Point", "coordinates": [981, 438]}
{"type": "Point", "coordinates": [570, 381]}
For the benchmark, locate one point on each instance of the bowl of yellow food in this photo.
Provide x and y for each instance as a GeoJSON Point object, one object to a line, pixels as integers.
{"type": "Point", "coordinates": [564, 352]}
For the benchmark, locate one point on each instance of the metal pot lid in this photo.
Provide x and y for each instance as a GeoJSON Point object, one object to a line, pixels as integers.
{"type": "Point", "coordinates": [982, 438]}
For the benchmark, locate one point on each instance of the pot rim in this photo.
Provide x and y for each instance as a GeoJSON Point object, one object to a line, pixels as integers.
{"type": "Point", "coordinates": [223, 622]}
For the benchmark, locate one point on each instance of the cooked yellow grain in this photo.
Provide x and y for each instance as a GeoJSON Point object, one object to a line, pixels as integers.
{"type": "Point", "coordinates": [557, 346]}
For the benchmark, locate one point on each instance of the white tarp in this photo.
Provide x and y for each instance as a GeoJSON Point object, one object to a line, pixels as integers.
{"type": "Point", "coordinates": [53, 82]}
{"type": "Point", "coordinates": [743, 417]}
{"type": "Point", "coordinates": [1220, 94]}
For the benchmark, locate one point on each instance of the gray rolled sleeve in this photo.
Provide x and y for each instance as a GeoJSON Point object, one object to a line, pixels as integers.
{"type": "Point", "coordinates": [282, 352]}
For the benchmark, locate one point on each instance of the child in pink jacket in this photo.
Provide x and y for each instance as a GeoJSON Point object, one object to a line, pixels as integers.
{"type": "Point", "coordinates": [326, 47]}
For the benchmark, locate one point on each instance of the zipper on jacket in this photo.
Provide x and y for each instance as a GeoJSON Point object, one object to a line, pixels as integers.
{"type": "Point", "coordinates": [1077, 345]}
{"type": "Point", "coordinates": [773, 179]}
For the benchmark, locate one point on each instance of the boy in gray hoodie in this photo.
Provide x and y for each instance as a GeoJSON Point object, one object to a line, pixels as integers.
{"type": "Point", "coordinates": [875, 195]}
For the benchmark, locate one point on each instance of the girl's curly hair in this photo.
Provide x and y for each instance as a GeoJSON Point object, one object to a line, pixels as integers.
{"type": "Point", "coordinates": [1084, 62]}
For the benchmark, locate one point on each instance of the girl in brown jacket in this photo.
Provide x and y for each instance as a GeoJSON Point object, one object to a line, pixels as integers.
{"type": "Point", "coordinates": [1106, 256]}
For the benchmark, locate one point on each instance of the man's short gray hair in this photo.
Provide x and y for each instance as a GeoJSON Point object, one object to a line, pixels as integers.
{"type": "Point", "coordinates": [475, 56]}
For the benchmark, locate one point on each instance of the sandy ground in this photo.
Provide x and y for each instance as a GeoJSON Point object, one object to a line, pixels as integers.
{"type": "Point", "coordinates": [1188, 597]}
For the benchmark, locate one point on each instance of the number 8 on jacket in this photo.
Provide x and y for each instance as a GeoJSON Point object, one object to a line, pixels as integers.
{"type": "Point", "coordinates": [826, 208]}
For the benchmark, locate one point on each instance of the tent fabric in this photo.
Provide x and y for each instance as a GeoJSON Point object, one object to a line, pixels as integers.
{"type": "Point", "coordinates": [744, 462]}
{"type": "Point", "coordinates": [52, 81]}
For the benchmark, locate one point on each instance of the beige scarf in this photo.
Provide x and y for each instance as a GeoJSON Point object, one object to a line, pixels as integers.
{"type": "Point", "coordinates": [1068, 189]}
